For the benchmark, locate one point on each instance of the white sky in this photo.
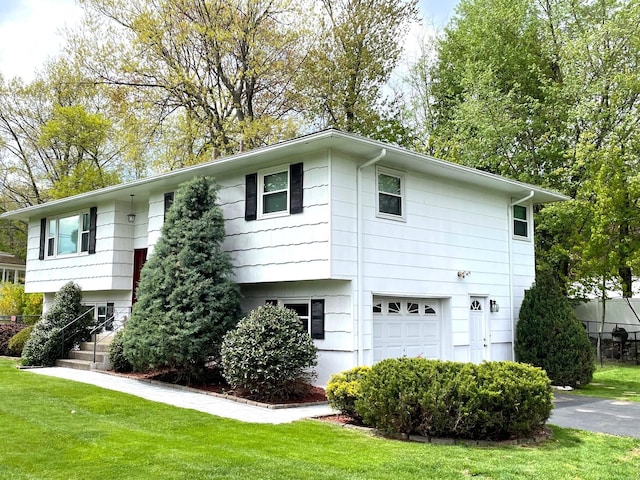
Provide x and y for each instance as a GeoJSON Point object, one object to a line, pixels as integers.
{"type": "Point", "coordinates": [30, 30]}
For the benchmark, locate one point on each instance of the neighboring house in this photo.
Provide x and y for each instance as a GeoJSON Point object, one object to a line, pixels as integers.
{"type": "Point", "coordinates": [11, 268]}
{"type": "Point", "coordinates": [381, 251]}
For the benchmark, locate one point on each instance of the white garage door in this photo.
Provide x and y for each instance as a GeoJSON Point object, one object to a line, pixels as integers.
{"type": "Point", "coordinates": [406, 327]}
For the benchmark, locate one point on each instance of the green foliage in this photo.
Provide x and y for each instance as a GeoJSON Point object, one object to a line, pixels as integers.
{"type": "Point", "coordinates": [45, 343]}
{"type": "Point", "coordinates": [549, 336]}
{"type": "Point", "coordinates": [268, 354]}
{"type": "Point", "coordinates": [11, 298]}
{"type": "Point", "coordinates": [186, 298]}
{"type": "Point", "coordinates": [343, 390]}
{"type": "Point", "coordinates": [7, 331]}
{"type": "Point", "coordinates": [493, 400]}
{"type": "Point", "coordinates": [116, 353]}
{"type": "Point", "coordinates": [18, 341]}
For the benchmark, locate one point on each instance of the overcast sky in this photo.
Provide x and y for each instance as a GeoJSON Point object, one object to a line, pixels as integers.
{"type": "Point", "coordinates": [30, 30]}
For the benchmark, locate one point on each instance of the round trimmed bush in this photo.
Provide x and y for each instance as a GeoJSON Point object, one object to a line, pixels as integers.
{"type": "Point", "coordinates": [268, 355]}
{"type": "Point", "coordinates": [490, 401]}
{"type": "Point", "coordinates": [17, 342]}
{"type": "Point", "coordinates": [344, 389]}
{"type": "Point", "coordinates": [549, 336]}
{"type": "Point", "coordinates": [116, 353]}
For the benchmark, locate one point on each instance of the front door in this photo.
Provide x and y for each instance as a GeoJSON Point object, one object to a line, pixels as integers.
{"type": "Point", "coordinates": [477, 330]}
{"type": "Point", "coordinates": [139, 257]}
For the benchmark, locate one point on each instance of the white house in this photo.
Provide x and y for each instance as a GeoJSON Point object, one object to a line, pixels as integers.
{"type": "Point", "coordinates": [383, 252]}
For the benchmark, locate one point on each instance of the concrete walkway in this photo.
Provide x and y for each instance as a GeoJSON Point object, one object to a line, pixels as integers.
{"type": "Point", "coordinates": [615, 417]}
{"type": "Point", "coordinates": [571, 411]}
{"type": "Point", "coordinates": [187, 399]}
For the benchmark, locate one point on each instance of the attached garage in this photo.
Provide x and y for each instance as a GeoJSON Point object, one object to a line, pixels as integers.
{"type": "Point", "coordinates": [410, 327]}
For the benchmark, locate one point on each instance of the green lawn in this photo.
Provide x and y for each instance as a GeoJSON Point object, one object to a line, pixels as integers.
{"type": "Point", "coordinates": [618, 382]}
{"type": "Point", "coordinates": [57, 429]}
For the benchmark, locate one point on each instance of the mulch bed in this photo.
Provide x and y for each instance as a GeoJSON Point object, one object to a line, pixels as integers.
{"type": "Point", "coordinates": [215, 384]}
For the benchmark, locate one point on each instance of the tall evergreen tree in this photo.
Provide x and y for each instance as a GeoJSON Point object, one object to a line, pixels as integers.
{"type": "Point", "coordinates": [186, 298]}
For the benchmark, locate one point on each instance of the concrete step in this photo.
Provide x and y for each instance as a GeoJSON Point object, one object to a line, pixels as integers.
{"type": "Point", "coordinates": [100, 347]}
{"type": "Point", "coordinates": [73, 363]}
{"type": "Point", "coordinates": [87, 355]}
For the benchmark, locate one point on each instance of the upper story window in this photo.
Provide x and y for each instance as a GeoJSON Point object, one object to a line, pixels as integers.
{"type": "Point", "coordinates": [274, 188]}
{"type": "Point", "coordinates": [520, 221]}
{"type": "Point", "coordinates": [390, 190]}
{"type": "Point", "coordinates": [274, 192]}
{"type": "Point", "coordinates": [68, 235]}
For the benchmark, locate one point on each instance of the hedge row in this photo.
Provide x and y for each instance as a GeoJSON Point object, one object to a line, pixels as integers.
{"type": "Point", "coordinates": [489, 401]}
{"type": "Point", "coordinates": [7, 332]}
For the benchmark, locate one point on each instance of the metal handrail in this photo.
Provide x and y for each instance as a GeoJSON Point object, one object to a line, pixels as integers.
{"type": "Point", "coordinates": [92, 309]}
{"type": "Point", "coordinates": [97, 328]}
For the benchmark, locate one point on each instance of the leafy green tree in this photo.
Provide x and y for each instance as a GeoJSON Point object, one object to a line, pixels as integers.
{"type": "Point", "coordinates": [357, 48]}
{"type": "Point", "coordinates": [186, 298]}
{"type": "Point", "coordinates": [45, 343]}
{"type": "Point", "coordinates": [215, 73]}
{"type": "Point", "coordinates": [13, 300]}
{"type": "Point", "coordinates": [546, 92]}
{"type": "Point", "coordinates": [549, 336]}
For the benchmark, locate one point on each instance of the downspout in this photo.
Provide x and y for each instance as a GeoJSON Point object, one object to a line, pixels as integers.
{"type": "Point", "coordinates": [510, 239]}
{"type": "Point", "coordinates": [360, 274]}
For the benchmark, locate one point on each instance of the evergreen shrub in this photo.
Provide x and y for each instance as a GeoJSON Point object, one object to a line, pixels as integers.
{"type": "Point", "coordinates": [269, 355]}
{"type": "Point", "coordinates": [490, 401]}
{"type": "Point", "coordinates": [116, 353]}
{"type": "Point", "coordinates": [7, 331]}
{"type": "Point", "coordinates": [44, 345]}
{"type": "Point", "coordinates": [343, 390]}
{"type": "Point", "coordinates": [17, 342]}
{"type": "Point", "coordinates": [186, 298]}
{"type": "Point", "coordinates": [549, 336]}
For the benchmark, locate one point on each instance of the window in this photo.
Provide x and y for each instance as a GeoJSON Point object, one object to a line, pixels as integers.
{"type": "Point", "coordinates": [390, 189]}
{"type": "Point", "coordinates": [394, 308]}
{"type": "Point", "coordinates": [520, 221]}
{"type": "Point", "coordinates": [274, 196]}
{"type": "Point", "coordinates": [70, 235]}
{"type": "Point", "coordinates": [168, 201]}
{"type": "Point", "coordinates": [413, 308]}
{"type": "Point", "coordinates": [310, 313]}
{"type": "Point", "coordinates": [274, 192]}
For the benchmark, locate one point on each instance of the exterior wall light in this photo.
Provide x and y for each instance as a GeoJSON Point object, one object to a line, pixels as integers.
{"type": "Point", "coordinates": [132, 216]}
{"type": "Point", "coordinates": [493, 306]}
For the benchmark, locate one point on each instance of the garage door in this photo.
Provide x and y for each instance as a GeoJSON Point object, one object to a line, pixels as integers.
{"type": "Point", "coordinates": [406, 327]}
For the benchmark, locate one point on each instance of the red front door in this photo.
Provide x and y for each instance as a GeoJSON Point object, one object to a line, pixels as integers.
{"type": "Point", "coordinates": [139, 257]}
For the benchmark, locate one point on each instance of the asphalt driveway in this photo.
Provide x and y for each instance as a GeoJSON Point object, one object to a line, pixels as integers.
{"type": "Point", "coordinates": [615, 417]}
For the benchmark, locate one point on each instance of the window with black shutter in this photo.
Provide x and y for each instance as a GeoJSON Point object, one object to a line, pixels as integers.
{"type": "Point", "coordinates": [274, 192]}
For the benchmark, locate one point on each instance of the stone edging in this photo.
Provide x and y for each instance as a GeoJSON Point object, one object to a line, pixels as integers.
{"type": "Point", "coordinates": [224, 396]}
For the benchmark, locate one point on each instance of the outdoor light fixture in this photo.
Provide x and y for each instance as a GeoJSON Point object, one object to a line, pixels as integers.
{"type": "Point", "coordinates": [132, 216]}
{"type": "Point", "coordinates": [463, 273]}
{"type": "Point", "coordinates": [493, 306]}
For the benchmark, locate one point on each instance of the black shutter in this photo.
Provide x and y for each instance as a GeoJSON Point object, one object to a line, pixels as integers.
{"type": "Point", "coordinates": [251, 197]}
{"type": "Point", "coordinates": [93, 222]}
{"type": "Point", "coordinates": [168, 201]}
{"type": "Point", "coordinates": [317, 319]}
{"type": "Point", "coordinates": [43, 237]}
{"type": "Point", "coordinates": [295, 200]}
{"type": "Point", "coordinates": [110, 312]}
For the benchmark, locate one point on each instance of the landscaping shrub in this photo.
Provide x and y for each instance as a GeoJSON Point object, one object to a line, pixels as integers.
{"type": "Point", "coordinates": [17, 342]}
{"type": "Point", "coordinates": [186, 298]}
{"type": "Point", "coordinates": [7, 331]}
{"type": "Point", "coordinates": [344, 389]}
{"type": "Point", "coordinates": [44, 345]}
{"type": "Point", "coordinates": [549, 336]}
{"type": "Point", "coordinates": [268, 354]}
{"type": "Point", "coordinates": [493, 400]}
{"type": "Point", "coordinates": [116, 353]}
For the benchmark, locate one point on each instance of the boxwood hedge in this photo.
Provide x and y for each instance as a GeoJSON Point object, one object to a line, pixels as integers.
{"type": "Point", "coordinates": [489, 401]}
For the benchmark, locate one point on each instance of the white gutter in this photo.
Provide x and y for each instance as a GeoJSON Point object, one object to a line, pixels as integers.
{"type": "Point", "coordinates": [360, 274]}
{"type": "Point", "coordinates": [510, 239]}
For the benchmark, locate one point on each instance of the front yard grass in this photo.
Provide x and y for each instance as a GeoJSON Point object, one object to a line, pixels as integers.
{"type": "Point", "coordinates": [619, 382]}
{"type": "Point", "coordinates": [58, 429]}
